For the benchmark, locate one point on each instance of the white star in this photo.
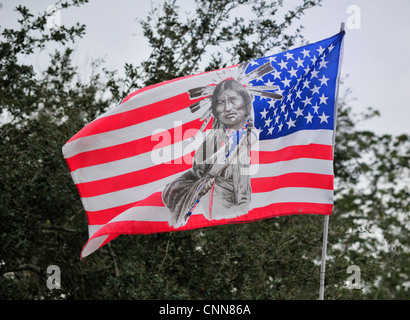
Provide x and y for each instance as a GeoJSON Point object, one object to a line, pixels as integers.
{"type": "Point", "coordinates": [323, 80]}
{"type": "Point", "coordinates": [277, 119]}
{"type": "Point", "coordinates": [323, 118]}
{"type": "Point", "coordinates": [253, 62]}
{"type": "Point", "coordinates": [305, 53]}
{"type": "Point", "coordinates": [269, 83]}
{"type": "Point", "coordinates": [298, 94]}
{"type": "Point", "coordinates": [291, 123]}
{"type": "Point", "coordinates": [286, 82]}
{"type": "Point", "coordinates": [315, 89]}
{"type": "Point", "coordinates": [289, 97]}
{"type": "Point", "coordinates": [314, 59]}
{"type": "Point", "coordinates": [280, 91]}
{"type": "Point", "coordinates": [283, 64]}
{"type": "Point", "coordinates": [323, 99]}
{"type": "Point", "coordinates": [331, 47]}
{"type": "Point", "coordinates": [315, 107]}
{"type": "Point", "coordinates": [280, 126]}
{"type": "Point", "coordinates": [267, 122]}
{"type": "Point", "coordinates": [289, 55]}
{"type": "Point", "coordinates": [299, 62]}
{"type": "Point", "coordinates": [307, 69]}
{"type": "Point", "coordinates": [293, 72]}
{"type": "Point", "coordinates": [308, 118]}
{"type": "Point", "coordinates": [272, 59]}
{"type": "Point", "coordinates": [314, 74]}
{"type": "Point", "coordinates": [306, 83]}
{"type": "Point", "coordinates": [276, 74]}
{"type": "Point", "coordinates": [323, 63]}
{"type": "Point", "coordinates": [321, 50]}
{"type": "Point", "coordinates": [270, 130]}
{"type": "Point", "coordinates": [307, 101]}
{"type": "Point", "coordinates": [260, 79]}
{"type": "Point", "coordinates": [259, 131]}
{"type": "Point", "coordinates": [263, 113]}
{"type": "Point", "coordinates": [272, 103]}
{"type": "Point", "coordinates": [298, 113]}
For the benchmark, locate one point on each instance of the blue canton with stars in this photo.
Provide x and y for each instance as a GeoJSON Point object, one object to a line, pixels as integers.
{"type": "Point", "coordinates": [307, 80]}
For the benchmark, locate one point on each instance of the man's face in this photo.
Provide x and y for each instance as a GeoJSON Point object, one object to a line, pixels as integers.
{"type": "Point", "coordinates": [231, 109]}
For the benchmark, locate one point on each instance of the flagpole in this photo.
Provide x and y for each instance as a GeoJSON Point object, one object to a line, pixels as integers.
{"type": "Point", "coordinates": [326, 223]}
{"type": "Point", "coordinates": [323, 266]}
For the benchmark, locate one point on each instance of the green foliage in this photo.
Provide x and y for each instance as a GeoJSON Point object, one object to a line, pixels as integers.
{"type": "Point", "coordinates": [43, 222]}
{"type": "Point", "coordinates": [213, 36]}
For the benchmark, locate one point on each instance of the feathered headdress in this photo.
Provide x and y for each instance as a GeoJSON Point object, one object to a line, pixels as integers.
{"type": "Point", "coordinates": [206, 92]}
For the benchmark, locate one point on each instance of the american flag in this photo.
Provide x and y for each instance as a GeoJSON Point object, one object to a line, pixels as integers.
{"type": "Point", "coordinates": [120, 182]}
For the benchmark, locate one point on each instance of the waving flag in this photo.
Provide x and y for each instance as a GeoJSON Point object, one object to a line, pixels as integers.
{"type": "Point", "coordinates": [240, 144]}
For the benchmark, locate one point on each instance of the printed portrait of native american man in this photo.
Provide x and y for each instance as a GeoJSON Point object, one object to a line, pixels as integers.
{"type": "Point", "coordinates": [219, 180]}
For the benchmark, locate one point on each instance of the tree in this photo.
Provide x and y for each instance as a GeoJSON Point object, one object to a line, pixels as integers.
{"type": "Point", "coordinates": [41, 217]}
{"type": "Point", "coordinates": [43, 222]}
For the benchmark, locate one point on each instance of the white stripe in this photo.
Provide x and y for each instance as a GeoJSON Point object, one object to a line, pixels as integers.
{"type": "Point", "coordinates": [303, 165]}
{"type": "Point", "coordinates": [302, 137]}
{"type": "Point", "coordinates": [145, 160]}
{"type": "Point", "coordinates": [126, 196]}
{"type": "Point", "coordinates": [92, 245]}
{"type": "Point", "coordinates": [284, 195]}
{"type": "Point", "coordinates": [92, 228]}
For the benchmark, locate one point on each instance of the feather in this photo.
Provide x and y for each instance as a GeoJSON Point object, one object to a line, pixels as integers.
{"type": "Point", "coordinates": [266, 94]}
{"type": "Point", "coordinates": [199, 104]}
{"type": "Point", "coordinates": [194, 107]}
{"type": "Point", "coordinates": [200, 92]}
{"type": "Point", "coordinates": [263, 88]}
{"type": "Point", "coordinates": [257, 73]}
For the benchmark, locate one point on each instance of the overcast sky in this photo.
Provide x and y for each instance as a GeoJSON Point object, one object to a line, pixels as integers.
{"type": "Point", "coordinates": [376, 63]}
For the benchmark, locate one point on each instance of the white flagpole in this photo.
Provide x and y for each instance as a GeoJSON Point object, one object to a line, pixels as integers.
{"type": "Point", "coordinates": [323, 266]}
{"type": "Point", "coordinates": [326, 224]}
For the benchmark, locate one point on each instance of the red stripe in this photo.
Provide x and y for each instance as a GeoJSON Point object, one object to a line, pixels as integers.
{"type": "Point", "coordinates": [132, 179]}
{"type": "Point", "coordinates": [292, 180]}
{"type": "Point", "coordinates": [130, 149]}
{"type": "Point", "coordinates": [199, 221]}
{"type": "Point", "coordinates": [312, 151]}
{"type": "Point", "coordinates": [132, 117]}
